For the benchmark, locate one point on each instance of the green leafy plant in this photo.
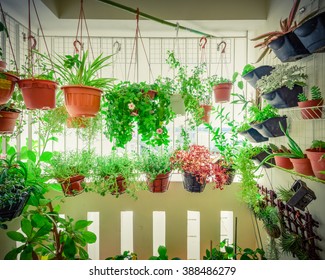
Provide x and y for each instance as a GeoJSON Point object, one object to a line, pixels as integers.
{"type": "Point", "coordinates": [257, 115]}
{"type": "Point", "coordinates": [127, 255]}
{"type": "Point", "coordinates": [292, 243]}
{"type": "Point", "coordinates": [247, 68]}
{"type": "Point", "coordinates": [162, 255]}
{"type": "Point", "coordinates": [318, 145]}
{"type": "Point", "coordinates": [282, 75]}
{"type": "Point", "coordinates": [271, 221]}
{"type": "Point", "coordinates": [284, 193]}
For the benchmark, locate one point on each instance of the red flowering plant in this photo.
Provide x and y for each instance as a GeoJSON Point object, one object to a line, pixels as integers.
{"type": "Point", "coordinates": [198, 161]}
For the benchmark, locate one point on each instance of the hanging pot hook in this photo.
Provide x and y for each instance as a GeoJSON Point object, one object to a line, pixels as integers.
{"type": "Point", "coordinates": [75, 45]}
{"type": "Point", "coordinates": [33, 42]}
{"type": "Point", "coordinates": [117, 46]}
{"type": "Point", "coordinates": [224, 47]}
{"type": "Point", "coordinates": [203, 42]}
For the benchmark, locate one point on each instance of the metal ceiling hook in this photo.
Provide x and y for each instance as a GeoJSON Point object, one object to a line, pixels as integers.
{"type": "Point", "coordinates": [224, 47]}
{"type": "Point", "coordinates": [203, 42]}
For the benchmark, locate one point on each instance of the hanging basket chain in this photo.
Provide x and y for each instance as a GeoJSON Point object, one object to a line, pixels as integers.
{"type": "Point", "coordinates": [222, 55]}
{"type": "Point", "coordinates": [10, 44]}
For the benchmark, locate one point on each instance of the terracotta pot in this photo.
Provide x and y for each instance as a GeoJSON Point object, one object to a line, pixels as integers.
{"type": "Point", "coordinates": [160, 183]}
{"type": "Point", "coordinates": [207, 113]}
{"type": "Point", "coordinates": [72, 186]}
{"type": "Point", "coordinates": [82, 101]}
{"type": "Point", "coordinates": [302, 166]}
{"type": "Point", "coordinates": [222, 92]}
{"type": "Point", "coordinates": [8, 121]}
{"type": "Point", "coordinates": [38, 94]}
{"type": "Point", "coordinates": [283, 162]}
{"type": "Point", "coordinates": [311, 113]}
{"type": "Point", "coordinates": [317, 162]}
{"type": "Point", "coordinates": [7, 87]}
{"type": "Point", "coordinates": [121, 186]}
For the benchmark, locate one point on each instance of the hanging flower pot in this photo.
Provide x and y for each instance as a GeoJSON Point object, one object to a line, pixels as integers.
{"type": "Point", "coordinates": [120, 186]}
{"type": "Point", "coordinates": [311, 109]}
{"type": "Point", "coordinates": [7, 86]}
{"type": "Point", "coordinates": [38, 94]}
{"type": "Point", "coordinates": [253, 76]}
{"type": "Point", "coordinates": [253, 135]}
{"type": "Point", "coordinates": [302, 166]}
{"type": "Point", "coordinates": [191, 184]}
{"type": "Point", "coordinates": [271, 127]}
{"type": "Point", "coordinates": [8, 121]}
{"type": "Point", "coordinates": [317, 162]}
{"type": "Point", "coordinates": [177, 104]}
{"type": "Point", "coordinates": [302, 197]}
{"type": "Point", "coordinates": [207, 113]}
{"type": "Point", "coordinates": [231, 175]}
{"type": "Point", "coordinates": [283, 162]}
{"type": "Point", "coordinates": [10, 212]}
{"type": "Point", "coordinates": [222, 92]}
{"type": "Point", "coordinates": [312, 33]}
{"type": "Point", "coordinates": [160, 183]}
{"type": "Point", "coordinates": [151, 93]}
{"type": "Point", "coordinates": [283, 97]}
{"type": "Point", "coordinates": [73, 185]}
{"type": "Point", "coordinates": [288, 48]}
{"type": "Point", "coordinates": [82, 101]}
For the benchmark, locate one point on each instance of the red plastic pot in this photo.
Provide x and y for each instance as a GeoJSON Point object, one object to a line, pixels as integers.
{"type": "Point", "coordinates": [38, 94]}
{"type": "Point", "coordinates": [283, 162]}
{"type": "Point", "coordinates": [302, 166]}
{"type": "Point", "coordinates": [317, 162]}
{"type": "Point", "coordinates": [7, 87]}
{"type": "Point", "coordinates": [73, 185]}
{"type": "Point", "coordinates": [8, 121]}
{"type": "Point", "coordinates": [222, 92]}
{"type": "Point", "coordinates": [160, 183]}
{"type": "Point", "coordinates": [82, 101]}
{"type": "Point", "coordinates": [311, 113]}
{"type": "Point", "coordinates": [207, 113]}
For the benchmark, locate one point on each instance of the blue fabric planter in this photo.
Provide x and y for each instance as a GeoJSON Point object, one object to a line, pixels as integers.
{"type": "Point", "coordinates": [252, 135]}
{"type": "Point", "coordinates": [253, 76]}
{"type": "Point", "coordinates": [312, 33]}
{"type": "Point", "coordinates": [288, 48]}
{"type": "Point", "coordinates": [271, 127]}
{"type": "Point", "coordinates": [283, 97]}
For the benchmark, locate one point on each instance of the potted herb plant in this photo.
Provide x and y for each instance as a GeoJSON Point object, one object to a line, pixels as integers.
{"type": "Point", "coordinates": [281, 161]}
{"type": "Point", "coordinates": [221, 87]}
{"type": "Point", "coordinates": [113, 174]}
{"type": "Point", "coordinates": [82, 89]}
{"type": "Point", "coordinates": [198, 168]}
{"type": "Point", "coordinates": [312, 108]}
{"type": "Point", "coordinates": [284, 43]}
{"type": "Point", "coordinates": [281, 88]}
{"type": "Point", "coordinates": [70, 170]}
{"type": "Point", "coordinates": [157, 167]}
{"type": "Point", "coordinates": [7, 86]}
{"type": "Point", "coordinates": [252, 74]}
{"type": "Point", "coordinates": [316, 156]}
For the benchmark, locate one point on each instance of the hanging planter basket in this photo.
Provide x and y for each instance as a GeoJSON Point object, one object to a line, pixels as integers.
{"type": "Point", "coordinates": [231, 175]}
{"type": "Point", "coordinates": [302, 166]}
{"type": "Point", "coordinates": [121, 186]}
{"type": "Point", "coordinates": [222, 92]}
{"type": "Point", "coordinates": [207, 113]}
{"type": "Point", "coordinates": [311, 109]}
{"type": "Point", "coordinates": [261, 156]}
{"type": "Point", "coordinates": [253, 76]}
{"type": "Point", "coordinates": [7, 87]}
{"type": "Point", "coordinates": [312, 33]}
{"type": "Point", "coordinates": [302, 197]}
{"type": "Point", "coordinates": [283, 97]}
{"type": "Point", "coordinates": [288, 48]}
{"type": "Point", "coordinates": [15, 210]}
{"type": "Point", "coordinates": [177, 104]}
{"type": "Point", "coordinates": [8, 121]}
{"type": "Point", "coordinates": [38, 94]}
{"type": "Point", "coordinates": [191, 184]}
{"type": "Point", "coordinates": [82, 101]}
{"type": "Point", "coordinates": [72, 186]}
{"type": "Point", "coordinates": [160, 184]}
{"type": "Point", "coordinates": [283, 162]}
{"type": "Point", "coordinates": [253, 135]}
{"type": "Point", "coordinates": [271, 127]}
{"type": "Point", "coordinates": [317, 162]}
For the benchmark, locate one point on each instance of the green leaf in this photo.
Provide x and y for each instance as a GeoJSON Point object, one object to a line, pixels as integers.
{"type": "Point", "coordinates": [38, 220]}
{"type": "Point", "coordinates": [16, 236]}
{"type": "Point", "coordinates": [43, 201]}
{"type": "Point", "coordinates": [54, 139]}
{"type": "Point", "coordinates": [26, 227]}
{"type": "Point", "coordinates": [31, 156]}
{"type": "Point", "coordinates": [83, 254]}
{"type": "Point", "coordinates": [43, 231]}
{"type": "Point", "coordinates": [240, 84]}
{"type": "Point", "coordinates": [26, 254]}
{"type": "Point", "coordinates": [11, 151]}
{"type": "Point", "coordinates": [46, 156]}
{"type": "Point", "coordinates": [12, 255]}
{"type": "Point", "coordinates": [55, 187]}
{"type": "Point", "coordinates": [162, 251]}
{"type": "Point", "coordinates": [89, 237]}
{"type": "Point", "coordinates": [229, 250]}
{"type": "Point", "coordinates": [82, 224]}
{"type": "Point", "coordinates": [70, 248]}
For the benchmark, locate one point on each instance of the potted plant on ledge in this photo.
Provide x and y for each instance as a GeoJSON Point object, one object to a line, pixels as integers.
{"type": "Point", "coordinates": [311, 108]}
{"type": "Point", "coordinates": [316, 155]}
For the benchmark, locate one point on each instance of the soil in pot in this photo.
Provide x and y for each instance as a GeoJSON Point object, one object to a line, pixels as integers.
{"type": "Point", "coordinates": [317, 162]}
{"type": "Point", "coordinates": [8, 121]}
{"type": "Point", "coordinates": [302, 166]}
{"type": "Point", "coordinates": [253, 135]}
{"type": "Point", "coordinates": [38, 94]}
{"type": "Point", "coordinates": [253, 76]}
{"type": "Point", "coordinates": [288, 48]}
{"type": "Point", "coordinates": [283, 162]}
{"type": "Point", "coordinates": [159, 184]}
{"type": "Point", "coordinates": [222, 92]}
{"type": "Point", "coordinates": [7, 87]}
{"type": "Point", "coordinates": [312, 33]}
{"type": "Point", "coordinates": [207, 113]}
{"type": "Point", "coordinates": [311, 113]}
{"type": "Point", "coordinates": [261, 156]}
{"type": "Point", "coordinates": [82, 101]}
{"type": "Point", "coordinates": [283, 97]}
{"type": "Point", "coordinates": [191, 184]}
{"type": "Point", "coordinates": [271, 127]}
{"type": "Point", "coordinates": [73, 185]}
{"type": "Point", "coordinates": [15, 210]}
